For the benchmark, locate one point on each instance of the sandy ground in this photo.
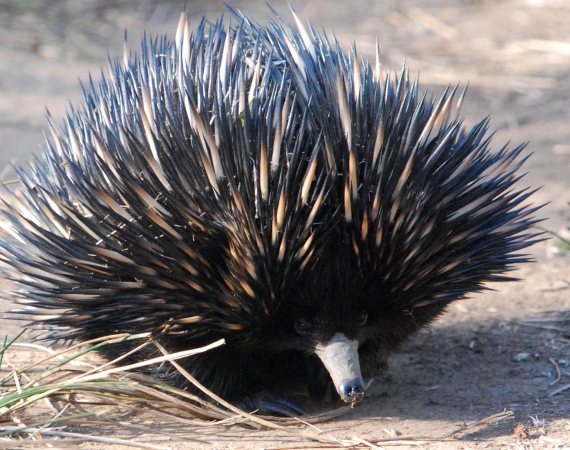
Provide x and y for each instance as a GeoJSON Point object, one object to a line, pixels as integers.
{"type": "Point", "coordinates": [486, 354]}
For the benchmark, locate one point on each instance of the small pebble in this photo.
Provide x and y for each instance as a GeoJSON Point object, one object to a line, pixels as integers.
{"type": "Point", "coordinates": [521, 357]}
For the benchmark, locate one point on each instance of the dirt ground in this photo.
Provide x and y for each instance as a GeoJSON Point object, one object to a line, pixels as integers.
{"type": "Point", "coordinates": [496, 351]}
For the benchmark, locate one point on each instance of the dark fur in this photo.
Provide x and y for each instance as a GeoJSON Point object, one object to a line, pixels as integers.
{"type": "Point", "coordinates": [223, 256]}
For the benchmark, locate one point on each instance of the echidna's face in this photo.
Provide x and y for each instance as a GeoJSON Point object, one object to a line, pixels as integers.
{"type": "Point", "coordinates": [339, 354]}
{"type": "Point", "coordinates": [325, 317]}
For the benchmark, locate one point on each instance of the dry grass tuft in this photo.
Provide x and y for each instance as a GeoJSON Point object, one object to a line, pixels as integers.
{"type": "Point", "coordinates": [66, 389]}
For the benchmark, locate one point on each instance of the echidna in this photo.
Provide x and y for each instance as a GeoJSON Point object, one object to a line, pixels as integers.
{"type": "Point", "coordinates": [261, 185]}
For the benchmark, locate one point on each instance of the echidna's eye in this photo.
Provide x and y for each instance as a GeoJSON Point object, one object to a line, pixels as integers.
{"type": "Point", "coordinates": [303, 327]}
{"type": "Point", "coordinates": [362, 318]}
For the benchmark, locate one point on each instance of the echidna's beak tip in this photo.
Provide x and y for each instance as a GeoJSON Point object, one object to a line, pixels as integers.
{"type": "Point", "coordinates": [352, 392]}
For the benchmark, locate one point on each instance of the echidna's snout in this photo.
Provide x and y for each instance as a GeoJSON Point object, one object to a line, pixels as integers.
{"type": "Point", "coordinates": [353, 391]}
{"type": "Point", "coordinates": [340, 357]}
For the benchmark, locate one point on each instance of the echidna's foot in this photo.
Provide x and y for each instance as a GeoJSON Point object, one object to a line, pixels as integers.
{"type": "Point", "coordinates": [271, 404]}
{"type": "Point", "coordinates": [319, 383]}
